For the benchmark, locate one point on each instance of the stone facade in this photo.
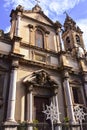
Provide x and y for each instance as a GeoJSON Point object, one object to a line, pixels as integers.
{"type": "Point", "coordinates": [40, 63]}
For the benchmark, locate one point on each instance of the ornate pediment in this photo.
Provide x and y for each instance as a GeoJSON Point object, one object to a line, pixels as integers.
{"type": "Point", "coordinates": [40, 78]}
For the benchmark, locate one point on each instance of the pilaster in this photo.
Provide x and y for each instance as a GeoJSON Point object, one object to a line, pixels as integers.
{"type": "Point", "coordinates": [29, 116]}
{"type": "Point", "coordinates": [30, 104]}
{"type": "Point", "coordinates": [68, 97]}
{"type": "Point", "coordinates": [10, 122]}
{"type": "Point", "coordinates": [85, 84]}
{"type": "Point", "coordinates": [12, 92]}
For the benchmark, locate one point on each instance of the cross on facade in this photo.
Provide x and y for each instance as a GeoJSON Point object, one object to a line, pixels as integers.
{"type": "Point", "coordinates": [38, 1]}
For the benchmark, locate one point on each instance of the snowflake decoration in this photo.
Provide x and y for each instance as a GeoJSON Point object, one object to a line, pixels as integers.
{"type": "Point", "coordinates": [51, 112]}
{"type": "Point", "coordinates": [79, 114]}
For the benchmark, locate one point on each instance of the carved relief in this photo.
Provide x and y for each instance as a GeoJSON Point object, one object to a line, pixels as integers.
{"type": "Point", "coordinates": [40, 78]}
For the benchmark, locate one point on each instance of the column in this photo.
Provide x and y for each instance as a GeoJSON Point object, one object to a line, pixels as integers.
{"type": "Point", "coordinates": [58, 127]}
{"type": "Point", "coordinates": [85, 84]}
{"type": "Point", "coordinates": [30, 104]}
{"type": "Point", "coordinates": [29, 113]}
{"type": "Point", "coordinates": [61, 40]}
{"type": "Point", "coordinates": [12, 96]}
{"type": "Point", "coordinates": [17, 29]}
{"type": "Point", "coordinates": [31, 35]}
{"type": "Point", "coordinates": [57, 105]}
{"type": "Point", "coordinates": [68, 98]}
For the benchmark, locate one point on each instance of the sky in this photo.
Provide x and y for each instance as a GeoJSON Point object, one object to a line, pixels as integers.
{"type": "Point", "coordinates": [54, 9]}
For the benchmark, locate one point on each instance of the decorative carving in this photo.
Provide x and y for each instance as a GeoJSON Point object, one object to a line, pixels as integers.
{"type": "Point", "coordinates": [66, 74]}
{"type": "Point", "coordinates": [40, 78]}
{"type": "Point", "coordinates": [19, 8]}
{"type": "Point", "coordinates": [37, 8]}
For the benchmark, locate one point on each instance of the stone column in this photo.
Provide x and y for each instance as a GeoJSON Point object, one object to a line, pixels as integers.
{"type": "Point", "coordinates": [46, 39]}
{"type": "Point", "coordinates": [31, 35]}
{"type": "Point", "coordinates": [62, 47]}
{"type": "Point", "coordinates": [68, 98]}
{"type": "Point", "coordinates": [85, 84]}
{"type": "Point", "coordinates": [30, 106]}
{"type": "Point", "coordinates": [17, 29]}
{"type": "Point", "coordinates": [55, 99]}
{"type": "Point", "coordinates": [10, 123]}
{"type": "Point", "coordinates": [57, 105]}
{"type": "Point", "coordinates": [12, 95]}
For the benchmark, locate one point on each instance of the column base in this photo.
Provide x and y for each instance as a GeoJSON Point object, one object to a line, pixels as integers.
{"type": "Point", "coordinates": [9, 125]}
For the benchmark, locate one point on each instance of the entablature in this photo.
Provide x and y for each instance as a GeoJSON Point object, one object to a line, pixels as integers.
{"type": "Point", "coordinates": [39, 55]}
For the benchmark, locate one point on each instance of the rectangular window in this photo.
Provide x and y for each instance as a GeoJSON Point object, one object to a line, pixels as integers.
{"type": "Point", "coordinates": [77, 95]}
{"type": "Point", "coordinates": [39, 39]}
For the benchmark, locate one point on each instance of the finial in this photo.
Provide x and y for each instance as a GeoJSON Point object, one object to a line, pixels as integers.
{"type": "Point", "coordinates": [38, 1]}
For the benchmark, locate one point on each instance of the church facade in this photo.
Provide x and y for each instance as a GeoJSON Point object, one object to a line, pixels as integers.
{"type": "Point", "coordinates": [40, 64]}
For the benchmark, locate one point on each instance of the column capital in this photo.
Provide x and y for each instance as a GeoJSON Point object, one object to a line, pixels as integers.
{"type": "Point", "coordinates": [30, 26]}
{"type": "Point", "coordinates": [56, 91]}
{"type": "Point", "coordinates": [65, 74]}
{"type": "Point", "coordinates": [15, 64]}
{"type": "Point", "coordinates": [17, 39]}
{"type": "Point", "coordinates": [29, 88]}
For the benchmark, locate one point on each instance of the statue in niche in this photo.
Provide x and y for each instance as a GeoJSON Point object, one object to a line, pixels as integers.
{"type": "Point", "coordinates": [80, 52]}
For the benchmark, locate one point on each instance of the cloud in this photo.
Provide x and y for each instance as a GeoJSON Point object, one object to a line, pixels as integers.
{"type": "Point", "coordinates": [82, 23]}
{"type": "Point", "coordinates": [52, 8]}
{"type": "Point", "coordinates": [15, 3]}
{"type": "Point", "coordinates": [48, 6]}
{"type": "Point", "coordinates": [7, 29]}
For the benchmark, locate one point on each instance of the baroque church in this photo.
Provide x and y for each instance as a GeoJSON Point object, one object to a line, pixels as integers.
{"type": "Point", "coordinates": [42, 62]}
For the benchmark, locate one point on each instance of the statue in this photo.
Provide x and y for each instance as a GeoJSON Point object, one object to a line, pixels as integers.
{"type": "Point", "coordinates": [80, 52]}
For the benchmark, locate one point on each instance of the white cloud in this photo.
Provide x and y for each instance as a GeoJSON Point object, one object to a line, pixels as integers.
{"type": "Point", "coordinates": [7, 29]}
{"type": "Point", "coordinates": [51, 8]}
{"type": "Point", "coordinates": [55, 6]}
{"type": "Point", "coordinates": [83, 25]}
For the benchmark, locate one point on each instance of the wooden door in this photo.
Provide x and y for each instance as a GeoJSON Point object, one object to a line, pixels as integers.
{"type": "Point", "coordinates": [39, 105]}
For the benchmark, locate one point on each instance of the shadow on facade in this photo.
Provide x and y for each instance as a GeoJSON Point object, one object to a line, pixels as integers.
{"type": "Point", "coordinates": [43, 126]}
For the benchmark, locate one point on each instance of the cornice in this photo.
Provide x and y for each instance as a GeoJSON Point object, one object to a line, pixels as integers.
{"type": "Point", "coordinates": [38, 64]}
{"type": "Point", "coordinates": [37, 48]}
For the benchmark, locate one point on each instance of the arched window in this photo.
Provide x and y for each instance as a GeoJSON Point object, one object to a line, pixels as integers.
{"type": "Point", "coordinates": [77, 39]}
{"type": "Point", "coordinates": [67, 40]}
{"type": "Point", "coordinates": [68, 44]}
{"type": "Point", "coordinates": [39, 39]}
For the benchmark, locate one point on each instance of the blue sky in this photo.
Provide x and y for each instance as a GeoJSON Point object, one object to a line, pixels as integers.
{"type": "Point", "coordinates": [54, 9]}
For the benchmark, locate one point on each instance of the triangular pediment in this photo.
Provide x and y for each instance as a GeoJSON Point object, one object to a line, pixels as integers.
{"type": "Point", "coordinates": [40, 78]}
{"type": "Point", "coordinates": [40, 17]}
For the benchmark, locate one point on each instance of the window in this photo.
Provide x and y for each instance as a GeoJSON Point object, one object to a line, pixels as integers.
{"type": "Point", "coordinates": [77, 95]}
{"type": "Point", "coordinates": [67, 40]}
{"type": "Point", "coordinates": [68, 44]}
{"type": "Point", "coordinates": [77, 39]}
{"type": "Point", "coordinates": [39, 39]}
